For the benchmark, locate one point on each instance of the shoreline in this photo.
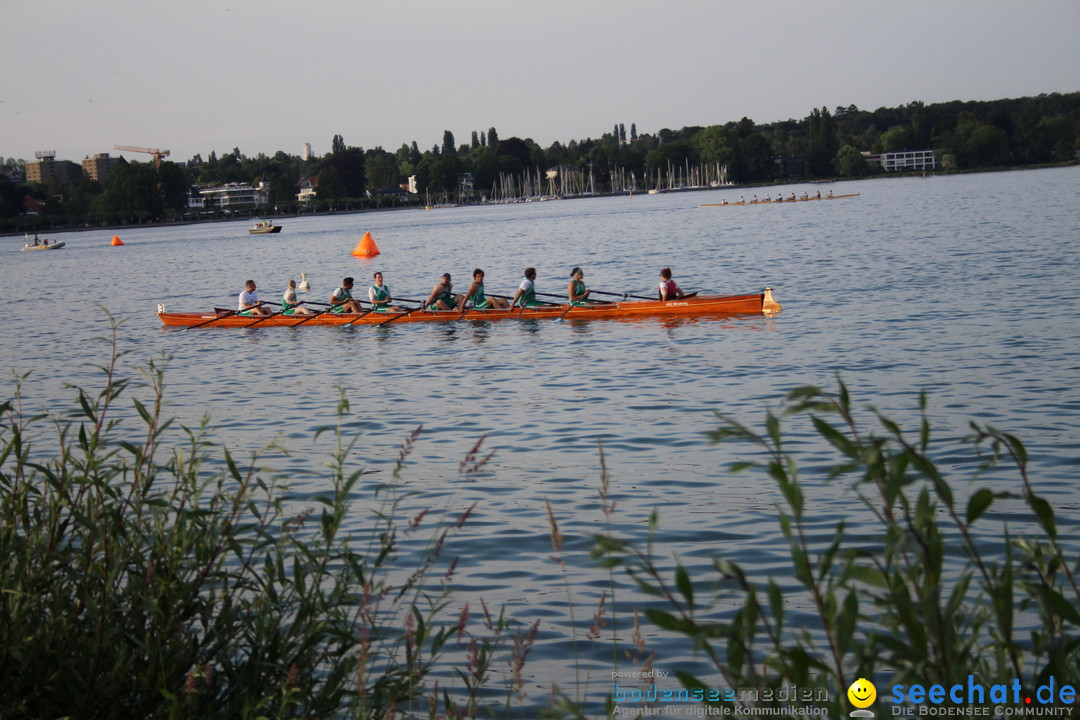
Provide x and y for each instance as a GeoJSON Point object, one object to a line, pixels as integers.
{"type": "Point", "coordinates": [288, 216]}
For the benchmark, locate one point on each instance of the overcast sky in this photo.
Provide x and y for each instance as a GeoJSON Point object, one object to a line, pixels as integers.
{"type": "Point", "coordinates": [269, 75]}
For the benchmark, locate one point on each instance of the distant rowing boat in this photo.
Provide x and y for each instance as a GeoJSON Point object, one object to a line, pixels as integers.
{"type": "Point", "coordinates": [702, 305]}
{"type": "Point", "coordinates": [781, 202]}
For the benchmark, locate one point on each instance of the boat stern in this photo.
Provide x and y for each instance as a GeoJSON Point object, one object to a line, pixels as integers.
{"type": "Point", "coordinates": [769, 306]}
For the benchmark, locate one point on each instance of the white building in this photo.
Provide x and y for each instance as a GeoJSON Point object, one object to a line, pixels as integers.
{"type": "Point", "coordinates": [305, 152]}
{"type": "Point", "coordinates": [236, 195]}
{"type": "Point", "coordinates": [309, 188]}
{"type": "Point", "coordinates": [909, 160]}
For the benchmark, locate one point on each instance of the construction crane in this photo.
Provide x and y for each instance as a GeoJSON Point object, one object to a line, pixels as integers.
{"type": "Point", "coordinates": [158, 154]}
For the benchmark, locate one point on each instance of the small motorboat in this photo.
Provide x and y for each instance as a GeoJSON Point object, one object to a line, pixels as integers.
{"type": "Point", "coordinates": [264, 227]}
{"type": "Point", "coordinates": [42, 245]}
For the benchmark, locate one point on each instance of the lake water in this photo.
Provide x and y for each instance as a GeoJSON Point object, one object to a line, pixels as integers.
{"type": "Point", "coordinates": [966, 286]}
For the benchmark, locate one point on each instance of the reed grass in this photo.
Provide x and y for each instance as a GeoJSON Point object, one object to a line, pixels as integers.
{"type": "Point", "coordinates": [142, 580]}
{"type": "Point", "coordinates": [886, 603]}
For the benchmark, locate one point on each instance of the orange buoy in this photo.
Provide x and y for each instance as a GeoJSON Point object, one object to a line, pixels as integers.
{"type": "Point", "coordinates": [366, 247]}
{"type": "Point", "coordinates": [116, 240]}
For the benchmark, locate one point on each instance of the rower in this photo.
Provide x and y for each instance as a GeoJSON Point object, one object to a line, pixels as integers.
{"type": "Point", "coordinates": [290, 305]}
{"type": "Point", "coordinates": [341, 300]}
{"type": "Point", "coordinates": [442, 296]}
{"type": "Point", "coordinates": [249, 301]}
{"type": "Point", "coordinates": [576, 290]}
{"type": "Point", "coordinates": [668, 289]}
{"type": "Point", "coordinates": [380, 297]}
{"type": "Point", "coordinates": [476, 297]}
{"type": "Point", "coordinates": [526, 294]}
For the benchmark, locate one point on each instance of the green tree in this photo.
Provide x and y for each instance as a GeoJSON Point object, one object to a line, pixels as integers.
{"type": "Point", "coordinates": [821, 142]}
{"type": "Point", "coordinates": [331, 189]}
{"type": "Point", "coordinates": [986, 146]}
{"type": "Point", "coordinates": [850, 162]}
{"type": "Point", "coordinates": [715, 144]}
{"type": "Point", "coordinates": [381, 169]}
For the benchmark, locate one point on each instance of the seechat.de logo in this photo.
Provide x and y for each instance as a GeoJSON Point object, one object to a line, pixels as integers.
{"type": "Point", "coordinates": [862, 695]}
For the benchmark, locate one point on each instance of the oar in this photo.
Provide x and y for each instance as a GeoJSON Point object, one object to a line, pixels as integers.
{"type": "Point", "coordinates": [263, 319]}
{"type": "Point", "coordinates": [568, 309]}
{"type": "Point", "coordinates": [507, 297]}
{"type": "Point", "coordinates": [329, 308]}
{"type": "Point", "coordinates": [219, 317]}
{"type": "Point", "coordinates": [400, 315]}
{"type": "Point", "coordinates": [373, 309]}
{"type": "Point", "coordinates": [366, 312]}
{"type": "Point", "coordinates": [624, 295]}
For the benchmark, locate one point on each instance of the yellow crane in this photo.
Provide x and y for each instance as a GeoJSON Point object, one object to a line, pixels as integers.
{"type": "Point", "coordinates": [158, 154]}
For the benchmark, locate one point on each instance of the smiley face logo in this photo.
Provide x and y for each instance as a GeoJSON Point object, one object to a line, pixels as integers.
{"type": "Point", "coordinates": [862, 693]}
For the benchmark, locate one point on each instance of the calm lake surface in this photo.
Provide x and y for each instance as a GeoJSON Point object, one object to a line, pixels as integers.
{"type": "Point", "coordinates": [966, 286]}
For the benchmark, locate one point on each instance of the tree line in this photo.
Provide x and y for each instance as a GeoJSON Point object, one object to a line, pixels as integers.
{"type": "Point", "coordinates": [966, 136]}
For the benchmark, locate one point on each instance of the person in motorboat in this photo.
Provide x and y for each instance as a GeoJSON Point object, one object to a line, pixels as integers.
{"type": "Point", "coordinates": [526, 294]}
{"type": "Point", "coordinates": [342, 301]}
{"type": "Point", "coordinates": [478, 299]}
{"type": "Point", "coordinates": [668, 290]}
{"type": "Point", "coordinates": [442, 295]}
{"type": "Point", "coordinates": [290, 305]}
{"type": "Point", "coordinates": [576, 289]}
{"type": "Point", "coordinates": [249, 303]}
{"type": "Point", "coordinates": [379, 295]}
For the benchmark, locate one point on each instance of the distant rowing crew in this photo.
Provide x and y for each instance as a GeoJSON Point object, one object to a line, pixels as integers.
{"type": "Point", "coordinates": [804, 197]}
{"type": "Point", "coordinates": [442, 296]}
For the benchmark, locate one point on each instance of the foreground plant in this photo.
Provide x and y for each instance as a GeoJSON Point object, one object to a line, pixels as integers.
{"type": "Point", "coordinates": [143, 582]}
{"type": "Point", "coordinates": [896, 603]}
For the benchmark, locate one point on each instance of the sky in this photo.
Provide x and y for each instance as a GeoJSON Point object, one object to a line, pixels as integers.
{"type": "Point", "coordinates": [266, 75]}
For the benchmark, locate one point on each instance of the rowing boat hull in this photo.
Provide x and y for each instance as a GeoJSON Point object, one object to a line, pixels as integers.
{"type": "Point", "coordinates": [702, 305]}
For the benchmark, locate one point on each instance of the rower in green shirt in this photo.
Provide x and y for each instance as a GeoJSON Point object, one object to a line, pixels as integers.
{"type": "Point", "coordinates": [442, 296]}
{"type": "Point", "coordinates": [526, 294]}
{"type": "Point", "coordinates": [576, 290]}
{"type": "Point", "coordinates": [476, 297]}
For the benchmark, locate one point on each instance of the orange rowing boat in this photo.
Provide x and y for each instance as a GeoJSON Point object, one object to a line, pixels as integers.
{"type": "Point", "coordinates": [701, 305]}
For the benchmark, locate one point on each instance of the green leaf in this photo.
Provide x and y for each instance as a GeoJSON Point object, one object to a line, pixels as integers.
{"type": "Point", "coordinates": [845, 622]}
{"type": "Point", "coordinates": [682, 582]}
{"type": "Point", "coordinates": [869, 575]}
{"type": "Point", "coordinates": [835, 438]}
{"type": "Point", "coordinates": [978, 503]}
{"type": "Point", "coordinates": [667, 621]}
{"type": "Point", "coordinates": [1044, 513]}
{"type": "Point", "coordinates": [776, 603]}
{"type": "Point", "coordinates": [1061, 606]}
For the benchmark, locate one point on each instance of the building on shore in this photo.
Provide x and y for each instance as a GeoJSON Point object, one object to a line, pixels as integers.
{"type": "Point", "coordinates": [235, 196]}
{"type": "Point", "coordinates": [309, 188]}
{"type": "Point", "coordinates": [46, 169]}
{"type": "Point", "coordinates": [98, 166]}
{"type": "Point", "coordinates": [908, 160]}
